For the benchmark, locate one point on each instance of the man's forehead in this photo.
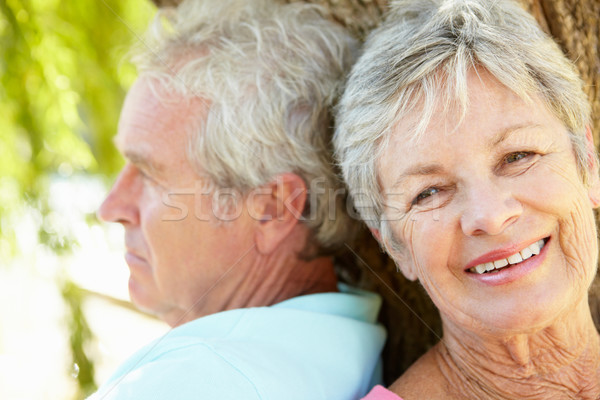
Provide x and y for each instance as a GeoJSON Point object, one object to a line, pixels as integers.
{"type": "Point", "coordinates": [168, 91]}
{"type": "Point", "coordinates": [151, 97]}
{"type": "Point", "coordinates": [149, 108]}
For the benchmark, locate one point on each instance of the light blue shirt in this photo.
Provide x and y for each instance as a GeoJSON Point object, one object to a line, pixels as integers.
{"type": "Point", "coordinates": [320, 346]}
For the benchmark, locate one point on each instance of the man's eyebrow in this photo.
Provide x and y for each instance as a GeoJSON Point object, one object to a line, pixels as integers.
{"type": "Point", "coordinates": [140, 160]}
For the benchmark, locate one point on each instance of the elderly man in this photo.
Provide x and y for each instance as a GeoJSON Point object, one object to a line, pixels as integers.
{"type": "Point", "coordinates": [231, 209]}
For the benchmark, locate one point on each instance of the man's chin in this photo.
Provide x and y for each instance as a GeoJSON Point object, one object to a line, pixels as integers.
{"type": "Point", "coordinates": [145, 300]}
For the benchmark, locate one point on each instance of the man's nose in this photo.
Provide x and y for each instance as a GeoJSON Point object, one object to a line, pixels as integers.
{"type": "Point", "coordinates": [121, 203]}
{"type": "Point", "coordinates": [489, 209]}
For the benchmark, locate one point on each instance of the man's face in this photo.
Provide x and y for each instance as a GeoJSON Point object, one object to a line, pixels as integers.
{"type": "Point", "coordinates": [182, 259]}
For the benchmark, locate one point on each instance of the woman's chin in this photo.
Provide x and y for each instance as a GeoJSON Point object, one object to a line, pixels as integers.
{"type": "Point", "coordinates": [525, 315]}
{"type": "Point", "coordinates": [519, 324]}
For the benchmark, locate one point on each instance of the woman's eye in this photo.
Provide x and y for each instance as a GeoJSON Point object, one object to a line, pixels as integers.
{"type": "Point", "coordinates": [514, 157]}
{"type": "Point", "coordinates": [425, 194]}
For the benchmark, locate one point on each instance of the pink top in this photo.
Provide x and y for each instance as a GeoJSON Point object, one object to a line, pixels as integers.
{"type": "Point", "coordinates": [381, 393]}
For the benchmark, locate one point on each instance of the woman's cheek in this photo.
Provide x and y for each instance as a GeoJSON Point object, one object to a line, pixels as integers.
{"type": "Point", "coordinates": [576, 223]}
{"type": "Point", "coordinates": [425, 246]}
{"type": "Point", "coordinates": [578, 242]}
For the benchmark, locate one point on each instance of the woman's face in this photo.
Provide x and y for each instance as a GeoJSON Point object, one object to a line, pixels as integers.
{"type": "Point", "coordinates": [484, 195]}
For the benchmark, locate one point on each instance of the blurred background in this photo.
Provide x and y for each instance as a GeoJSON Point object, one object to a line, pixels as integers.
{"type": "Point", "coordinates": [65, 319]}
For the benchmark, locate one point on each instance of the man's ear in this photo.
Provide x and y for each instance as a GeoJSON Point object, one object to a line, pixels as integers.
{"type": "Point", "coordinates": [592, 166]}
{"type": "Point", "coordinates": [277, 208]}
{"type": "Point", "coordinates": [402, 260]}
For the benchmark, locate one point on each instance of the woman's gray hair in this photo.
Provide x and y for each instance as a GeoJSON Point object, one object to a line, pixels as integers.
{"type": "Point", "coordinates": [420, 56]}
{"type": "Point", "coordinates": [270, 74]}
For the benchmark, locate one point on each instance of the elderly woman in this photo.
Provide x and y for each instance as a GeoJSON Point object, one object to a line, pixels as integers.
{"type": "Point", "coordinates": [463, 136]}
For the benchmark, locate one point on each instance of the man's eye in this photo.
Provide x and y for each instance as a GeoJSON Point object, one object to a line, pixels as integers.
{"type": "Point", "coordinates": [425, 194]}
{"type": "Point", "coordinates": [142, 174]}
{"type": "Point", "coordinates": [146, 177]}
{"type": "Point", "coordinates": [514, 157]}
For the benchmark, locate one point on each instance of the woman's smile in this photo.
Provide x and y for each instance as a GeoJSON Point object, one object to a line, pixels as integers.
{"type": "Point", "coordinates": [494, 260]}
{"type": "Point", "coordinates": [505, 270]}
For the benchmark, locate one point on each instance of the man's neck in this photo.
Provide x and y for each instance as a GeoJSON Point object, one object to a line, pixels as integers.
{"type": "Point", "coordinates": [264, 280]}
{"type": "Point", "coordinates": [288, 276]}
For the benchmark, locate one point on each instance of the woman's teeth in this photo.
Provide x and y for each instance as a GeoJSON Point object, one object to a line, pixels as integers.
{"type": "Point", "coordinates": [531, 250]}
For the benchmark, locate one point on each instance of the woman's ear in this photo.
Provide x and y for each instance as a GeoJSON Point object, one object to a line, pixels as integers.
{"type": "Point", "coordinates": [592, 166]}
{"type": "Point", "coordinates": [376, 234]}
{"type": "Point", "coordinates": [407, 268]}
{"type": "Point", "coordinates": [403, 262]}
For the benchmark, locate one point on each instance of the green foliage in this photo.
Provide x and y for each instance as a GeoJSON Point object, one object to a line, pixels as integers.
{"type": "Point", "coordinates": [63, 80]}
{"type": "Point", "coordinates": [79, 340]}
{"type": "Point", "coordinates": [63, 77]}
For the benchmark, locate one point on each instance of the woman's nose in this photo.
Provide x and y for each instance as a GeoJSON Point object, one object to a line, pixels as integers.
{"type": "Point", "coordinates": [489, 209]}
{"type": "Point", "coordinates": [121, 203]}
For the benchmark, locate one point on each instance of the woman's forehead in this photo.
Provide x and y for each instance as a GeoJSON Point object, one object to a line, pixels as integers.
{"type": "Point", "coordinates": [492, 114]}
{"type": "Point", "coordinates": [445, 109]}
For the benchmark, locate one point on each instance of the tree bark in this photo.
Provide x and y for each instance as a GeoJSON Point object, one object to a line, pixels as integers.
{"type": "Point", "coordinates": [411, 319]}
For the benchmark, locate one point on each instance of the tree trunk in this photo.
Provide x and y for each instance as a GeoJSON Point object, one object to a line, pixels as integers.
{"type": "Point", "coordinates": [411, 319]}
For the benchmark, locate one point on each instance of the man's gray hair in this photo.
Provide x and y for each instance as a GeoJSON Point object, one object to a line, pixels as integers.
{"type": "Point", "coordinates": [420, 57]}
{"type": "Point", "coordinates": [270, 74]}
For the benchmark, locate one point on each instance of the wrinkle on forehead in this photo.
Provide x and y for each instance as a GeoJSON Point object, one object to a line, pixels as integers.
{"type": "Point", "coordinates": [150, 110]}
{"type": "Point", "coordinates": [444, 104]}
{"type": "Point", "coordinates": [449, 117]}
